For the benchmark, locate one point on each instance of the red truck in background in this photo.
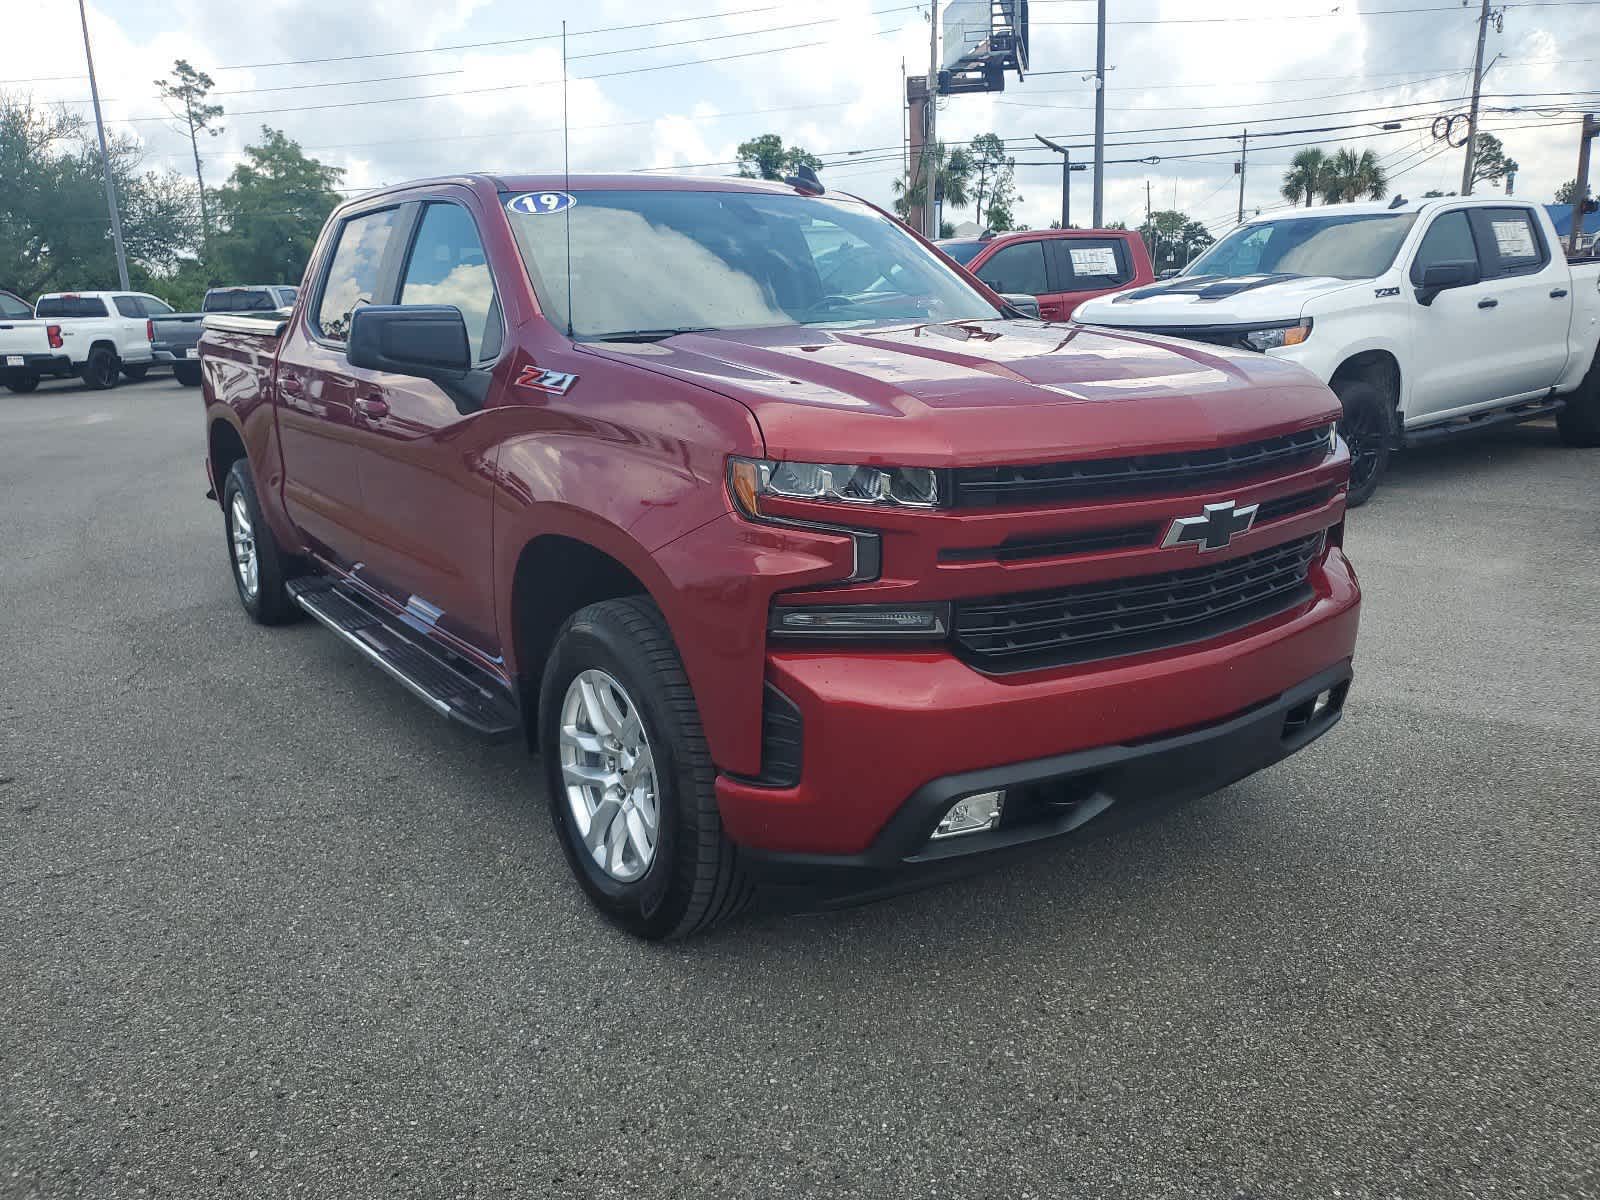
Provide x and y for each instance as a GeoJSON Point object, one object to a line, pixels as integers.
{"type": "Point", "coordinates": [798, 558]}
{"type": "Point", "coordinates": [1061, 268]}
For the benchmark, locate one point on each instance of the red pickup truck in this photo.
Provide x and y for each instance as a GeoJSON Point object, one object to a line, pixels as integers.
{"type": "Point", "coordinates": [799, 559]}
{"type": "Point", "coordinates": [1060, 268]}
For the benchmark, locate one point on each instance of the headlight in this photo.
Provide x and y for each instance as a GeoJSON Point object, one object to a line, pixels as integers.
{"type": "Point", "coordinates": [877, 622]}
{"type": "Point", "coordinates": [1273, 337]}
{"type": "Point", "coordinates": [909, 487]}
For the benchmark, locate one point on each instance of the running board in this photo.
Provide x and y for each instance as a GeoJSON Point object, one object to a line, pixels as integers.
{"type": "Point", "coordinates": [445, 682]}
{"type": "Point", "coordinates": [1528, 410]}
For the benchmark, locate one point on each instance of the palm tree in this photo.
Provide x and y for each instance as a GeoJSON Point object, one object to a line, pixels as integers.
{"type": "Point", "coordinates": [1351, 176]}
{"type": "Point", "coordinates": [953, 170]}
{"type": "Point", "coordinates": [1305, 176]}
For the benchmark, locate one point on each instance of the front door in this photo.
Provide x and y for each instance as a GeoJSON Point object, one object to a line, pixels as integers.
{"type": "Point", "coordinates": [1020, 268]}
{"type": "Point", "coordinates": [318, 389]}
{"type": "Point", "coordinates": [1456, 344]}
{"type": "Point", "coordinates": [426, 467]}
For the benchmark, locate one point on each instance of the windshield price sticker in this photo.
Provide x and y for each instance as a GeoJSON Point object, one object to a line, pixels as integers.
{"type": "Point", "coordinates": [1094, 260]}
{"type": "Point", "coordinates": [540, 204]}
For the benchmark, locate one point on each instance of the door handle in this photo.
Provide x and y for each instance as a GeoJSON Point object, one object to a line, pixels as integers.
{"type": "Point", "coordinates": [290, 385]}
{"type": "Point", "coordinates": [1558, 293]}
{"type": "Point", "coordinates": [1487, 303]}
{"type": "Point", "coordinates": [372, 407]}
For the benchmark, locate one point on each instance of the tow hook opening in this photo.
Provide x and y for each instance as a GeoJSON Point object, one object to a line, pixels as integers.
{"type": "Point", "coordinates": [1316, 712]}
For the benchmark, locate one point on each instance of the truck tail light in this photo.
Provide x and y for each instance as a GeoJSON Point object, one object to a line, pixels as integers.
{"type": "Point", "coordinates": [149, 330]}
{"type": "Point", "coordinates": [53, 332]}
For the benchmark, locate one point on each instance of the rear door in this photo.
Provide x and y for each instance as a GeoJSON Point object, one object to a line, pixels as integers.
{"type": "Point", "coordinates": [1528, 283]}
{"type": "Point", "coordinates": [1088, 267]}
{"type": "Point", "coordinates": [426, 453]}
{"type": "Point", "coordinates": [1022, 267]}
{"type": "Point", "coordinates": [317, 389]}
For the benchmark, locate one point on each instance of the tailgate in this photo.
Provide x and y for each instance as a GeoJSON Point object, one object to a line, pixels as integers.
{"type": "Point", "coordinates": [23, 337]}
{"type": "Point", "coordinates": [177, 332]}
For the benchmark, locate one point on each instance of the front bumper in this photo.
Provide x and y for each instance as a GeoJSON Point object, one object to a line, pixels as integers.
{"type": "Point", "coordinates": [890, 738]}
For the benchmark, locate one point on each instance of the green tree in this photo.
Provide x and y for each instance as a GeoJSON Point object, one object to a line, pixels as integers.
{"type": "Point", "coordinates": [953, 173]}
{"type": "Point", "coordinates": [185, 96]}
{"type": "Point", "coordinates": [1304, 178]}
{"type": "Point", "coordinates": [1567, 193]}
{"type": "Point", "coordinates": [271, 208]}
{"type": "Point", "coordinates": [1173, 237]}
{"type": "Point", "coordinates": [993, 175]}
{"type": "Point", "coordinates": [1489, 161]}
{"type": "Point", "coordinates": [1352, 176]}
{"type": "Point", "coordinates": [766, 157]}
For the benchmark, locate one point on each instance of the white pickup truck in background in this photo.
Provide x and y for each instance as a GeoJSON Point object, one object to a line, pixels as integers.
{"type": "Point", "coordinates": [97, 336]}
{"type": "Point", "coordinates": [28, 348]}
{"type": "Point", "coordinates": [1426, 317]}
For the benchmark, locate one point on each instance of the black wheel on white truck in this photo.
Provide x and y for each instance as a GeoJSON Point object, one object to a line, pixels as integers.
{"type": "Point", "coordinates": [1367, 427]}
{"type": "Point", "coordinates": [1579, 422]}
{"type": "Point", "coordinates": [20, 383]}
{"type": "Point", "coordinates": [100, 370]}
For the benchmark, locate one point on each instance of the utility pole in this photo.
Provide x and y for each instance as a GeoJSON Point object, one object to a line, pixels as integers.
{"type": "Point", "coordinates": [1580, 184]}
{"type": "Point", "coordinates": [1100, 118]}
{"type": "Point", "coordinates": [105, 156]}
{"type": "Point", "coordinates": [1244, 148]}
{"type": "Point", "coordinates": [930, 143]}
{"type": "Point", "coordinates": [1472, 114]}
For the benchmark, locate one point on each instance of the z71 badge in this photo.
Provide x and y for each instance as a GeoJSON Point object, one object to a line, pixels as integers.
{"type": "Point", "coordinates": [557, 383]}
{"type": "Point", "coordinates": [1385, 293]}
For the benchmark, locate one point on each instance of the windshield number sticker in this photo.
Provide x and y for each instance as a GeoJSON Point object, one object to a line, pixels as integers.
{"type": "Point", "coordinates": [540, 204]}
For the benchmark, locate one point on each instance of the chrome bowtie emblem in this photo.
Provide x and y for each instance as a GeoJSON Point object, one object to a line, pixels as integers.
{"type": "Point", "coordinates": [1213, 529]}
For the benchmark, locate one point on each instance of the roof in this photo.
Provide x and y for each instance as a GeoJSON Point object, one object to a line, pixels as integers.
{"type": "Point", "coordinates": [1011, 235]}
{"type": "Point", "coordinates": [1561, 218]}
{"type": "Point", "coordinates": [634, 182]}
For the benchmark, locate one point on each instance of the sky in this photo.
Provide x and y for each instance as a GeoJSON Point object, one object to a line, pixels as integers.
{"type": "Point", "coordinates": [414, 88]}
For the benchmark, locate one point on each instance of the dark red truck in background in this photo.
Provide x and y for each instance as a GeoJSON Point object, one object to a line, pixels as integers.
{"type": "Point", "coordinates": [797, 556]}
{"type": "Point", "coordinates": [1060, 268]}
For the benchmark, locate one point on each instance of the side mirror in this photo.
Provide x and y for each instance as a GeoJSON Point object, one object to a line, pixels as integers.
{"type": "Point", "coordinates": [425, 340]}
{"type": "Point", "coordinates": [1441, 277]}
{"type": "Point", "coordinates": [1027, 305]}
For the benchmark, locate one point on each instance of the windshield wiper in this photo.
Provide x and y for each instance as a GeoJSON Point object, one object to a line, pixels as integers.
{"type": "Point", "coordinates": [650, 335]}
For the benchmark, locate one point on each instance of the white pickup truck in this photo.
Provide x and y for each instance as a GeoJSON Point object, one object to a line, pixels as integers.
{"type": "Point", "coordinates": [1426, 317]}
{"type": "Point", "coordinates": [97, 336]}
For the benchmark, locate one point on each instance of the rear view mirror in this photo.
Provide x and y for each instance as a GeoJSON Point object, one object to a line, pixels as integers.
{"type": "Point", "coordinates": [425, 340]}
{"type": "Point", "coordinates": [1441, 277]}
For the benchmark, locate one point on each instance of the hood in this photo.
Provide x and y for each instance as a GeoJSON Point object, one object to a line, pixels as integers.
{"type": "Point", "coordinates": [1213, 300]}
{"type": "Point", "coordinates": [986, 393]}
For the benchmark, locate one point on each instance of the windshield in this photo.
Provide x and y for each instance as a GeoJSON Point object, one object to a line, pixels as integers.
{"type": "Point", "coordinates": [1352, 246]}
{"type": "Point", "coordinates": [962, 252]}
{"type": "Point", "coordinates": [654, 262]}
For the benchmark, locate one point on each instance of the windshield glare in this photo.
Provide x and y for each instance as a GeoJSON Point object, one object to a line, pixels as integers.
{"type": "Point", "coordinates": [1352, 246]}
{"type": "Point", "coordinates": [654, 261]}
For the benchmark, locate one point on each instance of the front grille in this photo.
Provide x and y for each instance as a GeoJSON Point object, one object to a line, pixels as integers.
{"type": "Point", "coordinates": [1131, 616]}
{"type": "Point", "coordinates": [992, 487]}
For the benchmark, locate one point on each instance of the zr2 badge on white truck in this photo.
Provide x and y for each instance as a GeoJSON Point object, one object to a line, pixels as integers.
{"type": "Point", "coordinates": [1426, 317]}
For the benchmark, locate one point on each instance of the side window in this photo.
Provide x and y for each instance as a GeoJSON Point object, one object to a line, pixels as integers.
{"type": "Point", "coordinates": [1512, 243]}
{"type": "Point", "coordinates": [448, 266]}
{"type": "Point", "coordinates": [1448, 240]}
{"type": "Point", "coordinates": [1092, 264]}
{"type": "Point", "coordinates": [353, 274]}
{"type": "Point", "coordinates": [13, 309]}
{"type": "Point", "coordinates": [153, 307]}
{"type": "Point", "coordinates": [1018, 267]}
{"type": "Point", "coordinates": [129, 306]}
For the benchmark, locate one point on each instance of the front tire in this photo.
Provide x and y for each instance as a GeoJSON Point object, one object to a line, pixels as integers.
{"type": "Point", "coordinates": [630, 779]}
{"type": "Point", "coordinates": [22, 384]}
{"type": "Point", "coordinates": [1579, 422]}
{"type": "Point", "coordinates": [99, 371]}
{"type": "Point", "coordinates": [136, 372]}
{"type": "Point", "coordinates": [258, 564]}
{"type": "Point", "coordinates": [1367, 427]}
{"type": "Point", "coordinates": [187, 374]}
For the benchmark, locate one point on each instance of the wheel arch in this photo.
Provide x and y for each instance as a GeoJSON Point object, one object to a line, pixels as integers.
{"type": "Point", "coordinates": [1379, 367]}
{"type": "Point", "coordinates": [225, 446]}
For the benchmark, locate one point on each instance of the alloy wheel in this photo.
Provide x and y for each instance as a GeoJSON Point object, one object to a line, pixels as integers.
{"type": "Point", "coordinates": [1362, 432]}
{"type": "Point", "coordinates": [609, 772]}
{"type": "Point", "coordinates": [243, 536]}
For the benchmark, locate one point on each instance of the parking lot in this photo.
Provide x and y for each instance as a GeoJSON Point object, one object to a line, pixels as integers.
{"type": "Point", "coordinates": [269, 927]}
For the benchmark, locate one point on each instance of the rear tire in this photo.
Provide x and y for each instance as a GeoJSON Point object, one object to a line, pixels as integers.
{"type": "Point", "coordinates": [1579, 422]}
{"type": "Point", "coordinates": [22, 384]}
{"type": "Point", "coordinates": [258, 564]}
{"type": "Point", "coordinates": [1367, 427]}
{"type": "Point", "coordinates": [136, 373]}
{"type": "Point", "coordinates": [688, 878]}
{"type": "Point", "coordinates": [99, 371]}
{"type": "Point", "coordinates": [187, 374]}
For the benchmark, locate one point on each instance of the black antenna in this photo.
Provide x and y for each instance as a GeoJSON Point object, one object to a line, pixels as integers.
{"type": "Point", "coordinates": [566, 173]}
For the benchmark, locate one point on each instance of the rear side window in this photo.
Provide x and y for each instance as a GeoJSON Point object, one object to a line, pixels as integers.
{"type": "Point", "coordinates": [1018, 267]}
{"type": "Point", "coordinates": [14, 309]}
{"type": "Point", "coordinates": [354, 272]}
{"type": "Point", "coordinates": [1448, 240]}
{"type": "Point", "coordinates": [1512, 243]}
{"type": "Point", "coordinates": [448, 266]}
{"type": "Point", "coordinates": [1092, 264]}
{"type": "Point", "coordinates": [129, 306]}
{"type": "Point", "coordinates": [71, 306]}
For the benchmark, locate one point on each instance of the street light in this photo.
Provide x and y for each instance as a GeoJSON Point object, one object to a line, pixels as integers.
{"type": "Point", "coordinates": [1067, 167]}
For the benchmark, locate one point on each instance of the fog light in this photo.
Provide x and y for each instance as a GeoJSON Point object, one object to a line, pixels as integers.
{"type": "Point", "coordinates": [972, 814]}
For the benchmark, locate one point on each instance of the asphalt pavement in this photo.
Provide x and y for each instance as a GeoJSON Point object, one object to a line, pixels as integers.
{"type": "Point", "coordinates": [269, 928]}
